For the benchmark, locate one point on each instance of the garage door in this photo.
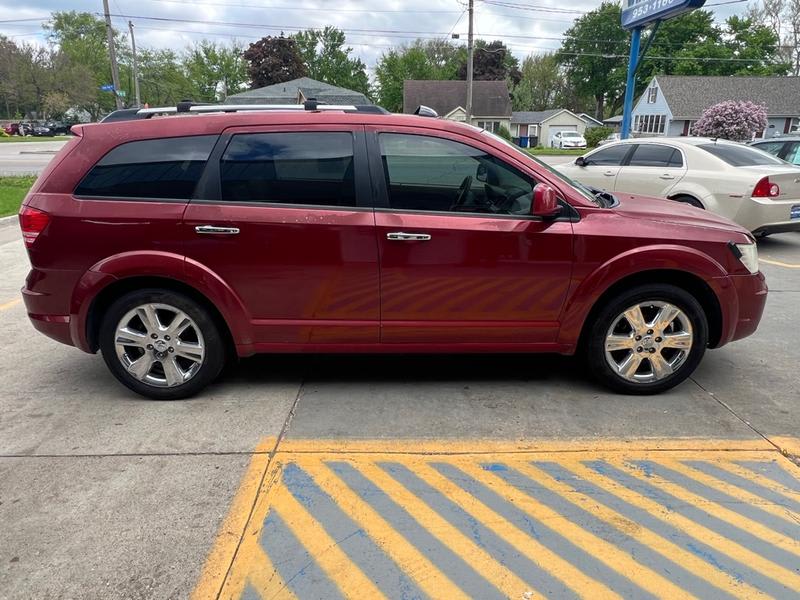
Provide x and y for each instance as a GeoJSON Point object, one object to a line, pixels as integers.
{"type": "Point", "coordinates": [556, 128]}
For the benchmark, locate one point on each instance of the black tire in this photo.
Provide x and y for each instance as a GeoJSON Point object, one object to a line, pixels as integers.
{"type": "Point", "coordinates": [607, 315]}
{"type": "Point", "coordinates": [215, 350]}
{"type": "Point", "coordinates": [689, 200]}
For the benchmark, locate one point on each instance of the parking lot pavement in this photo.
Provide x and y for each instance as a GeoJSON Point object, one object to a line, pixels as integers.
{"type": "Point", "coordinates": [105, 494]}
{"type": "Point", "coordinates": [27, 158]}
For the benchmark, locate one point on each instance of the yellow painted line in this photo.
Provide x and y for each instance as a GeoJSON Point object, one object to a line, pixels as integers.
{"type": "Point", "coordinates": [788, 446]}
{"type": "Point", "coordinates": [766, 482]}
{"type": "Point", "coordinates": [477, 447]}
{"type": "Point", "coordinates": [480, 560]}
{"type": "Point", "coordinates": [741, 494]}
{"type": "Point", "coordinates": [767, 567]}
{"type": "Point", "coordinates": [350, 580]}
{"type": "Point", "coordinates": [778, 263]}
{"type": "Point", "coordinates": [551, 562]}
{"type": "Point", "coordinates": [415, 564]}
{"type": "Point", "coordinates": [263, 577]}
{"type": "Point", "coordinates": [603, 551]}
{"type": "Point", "coordinates": [230, 532]}
{"type": "Point", "coordinates": [651, 539]}
{"type": "Point", "coordinates": [9, 304]}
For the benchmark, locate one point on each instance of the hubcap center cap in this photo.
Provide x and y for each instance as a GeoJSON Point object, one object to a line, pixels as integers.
{"type": "Point", "coordinates": [161, 345]}
{"type": "Point", "coordinates": [648, 342]}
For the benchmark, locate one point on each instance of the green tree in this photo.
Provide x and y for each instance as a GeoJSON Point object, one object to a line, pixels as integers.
{"type": "Point", "coordinates": [541, 85]}
{"type": "Point", "coordinates": [327, 59]}
{"type": "Point", "coordinates": [274, 60]}
{"type": "Point", "coordinates": [162, 79]}
{"type": "Point", "coordinates": [593, 55]}
{"type": "Point", "coordinates": [214, 71]}
{"type": "Point", "coordinates": [491, 61]}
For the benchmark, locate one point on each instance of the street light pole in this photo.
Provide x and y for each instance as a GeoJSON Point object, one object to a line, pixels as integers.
{"type": "Point", "coordinates": [135, 66]}
{"type": "Point", "coordinates": [470, 52]}
{"type": "Point", "coordinates": [112, 54]}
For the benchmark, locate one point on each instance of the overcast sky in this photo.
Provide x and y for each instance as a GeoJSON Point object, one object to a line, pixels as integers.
{"type": "Point", "coordinates": [371, 26]}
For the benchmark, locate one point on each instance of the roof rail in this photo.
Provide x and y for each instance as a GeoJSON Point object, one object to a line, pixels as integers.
{"type": "Point", "coordinates": [130, 114]}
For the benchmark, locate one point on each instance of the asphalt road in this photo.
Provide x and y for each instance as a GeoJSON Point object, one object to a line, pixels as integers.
{"type": "Point", "coordinates": [104, 494]}
{"type": "Point", "coordinates": [27, 158]}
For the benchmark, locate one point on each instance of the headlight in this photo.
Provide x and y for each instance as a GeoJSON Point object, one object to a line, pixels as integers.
{"type": "Point", "coordinates": [747, 255]}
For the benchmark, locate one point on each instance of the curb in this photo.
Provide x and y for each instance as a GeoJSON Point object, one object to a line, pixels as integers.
{"type": "Point", "coordinates": [8, 219]}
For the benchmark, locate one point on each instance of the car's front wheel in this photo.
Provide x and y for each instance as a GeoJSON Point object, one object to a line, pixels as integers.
{"type": "Point", "coordinates": [648, 339]}
{"type": "Point", "coordinates": [161, 344]}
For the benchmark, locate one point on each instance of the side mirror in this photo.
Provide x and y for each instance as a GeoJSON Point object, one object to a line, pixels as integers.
{"type": "Point", "coordinates": [483, 173]}
{"type": "Point", "coordinates": [581, 161]}
{"type": "Point", "coordinates": [545, 203]}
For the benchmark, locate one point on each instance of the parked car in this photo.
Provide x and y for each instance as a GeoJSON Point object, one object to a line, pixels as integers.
{"type": "Point", "coordinates": [12, 129]}
{"type": "Point", "coordinates": [42, 130]}
{"type": "Point", "coordinates": [786, 148]}
{"type": "Point", "coordinates": [567, 139]}
{"type": "Point", "coordinates": [173, 245]}
{"type": "Point", "coordinates": [746, 185]}
{"type": "Point", "coordinates": [614, 137]}
{"type": "Point", "coordinates": [57, 127]}
{"type": "Point", "coordinates": [25, 128]}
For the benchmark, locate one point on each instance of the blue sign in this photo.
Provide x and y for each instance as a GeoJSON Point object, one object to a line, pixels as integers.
{"type": "Point", "coordinates": [638, 13]}
{"type": "Point", "coordinates": [108, 87]}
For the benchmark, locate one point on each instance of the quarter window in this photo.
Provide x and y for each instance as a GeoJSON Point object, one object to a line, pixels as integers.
{"type": "Point", "coordinates": [793, 153]}
{"type": "Point", "coordinates": [165, 168]}
{"type": "Point", "coordinates": [611, 156]}
{"type": "Point", "coordinates": [434, 174]}
{"type": "Point", "coordinates": [289, 168]}
{"type": "Point", "coordinates": [655, 155]}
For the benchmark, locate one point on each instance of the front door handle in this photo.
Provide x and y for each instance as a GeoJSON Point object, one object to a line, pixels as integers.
{"type": "Point", "coordinates": [400, 236]}
{"type": "Point", "coordinates": [609, 173]}
{"type": "Point", "coordinates": [214, 230]}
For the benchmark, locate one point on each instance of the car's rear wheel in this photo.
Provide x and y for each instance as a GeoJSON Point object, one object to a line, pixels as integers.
{"type": "Point", "coordinates": [648, 339]}
{"type": "Point", "coordinates": [161, 344]}
{"type": "Point", "coordinates": [689, 200]}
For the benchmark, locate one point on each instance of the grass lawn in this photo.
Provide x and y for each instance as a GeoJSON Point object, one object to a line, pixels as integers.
{"type": "Point", "coordinates": [12, 139]}
{"type": "Point", "coordinates": [12, 192]}
{"type": "Point", "coordinates": [556, 152]}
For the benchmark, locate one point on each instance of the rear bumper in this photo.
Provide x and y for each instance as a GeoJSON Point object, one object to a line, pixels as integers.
{"type": "Point", "coordinates": [763, 215]}
{"type": "Point", "coordinates": [747, 296]}
{"type": "Point", "coordinates": [778, 228]}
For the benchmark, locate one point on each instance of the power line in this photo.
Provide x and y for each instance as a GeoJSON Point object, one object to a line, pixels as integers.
{"type": "Point", "coordinates": [298, 8]}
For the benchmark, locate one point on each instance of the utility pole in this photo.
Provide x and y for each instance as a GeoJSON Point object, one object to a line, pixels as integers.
{"type": "Point", "coordinates": [135, 66]}
{"type": "Point", "coordinates": [112, 54]}
{"type": "Point", "coordinates": [470, 52]}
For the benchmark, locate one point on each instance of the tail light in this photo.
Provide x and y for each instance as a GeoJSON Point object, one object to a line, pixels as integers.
{"type": "Point", "coordinates": [32, 222]}
{"type": "Point", "coordinates": [766, 189]}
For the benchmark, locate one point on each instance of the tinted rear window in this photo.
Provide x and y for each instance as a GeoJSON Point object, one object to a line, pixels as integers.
{"type": "Point", "coordinates": [164, 168]}
{"type": "Point", "coordinates": [740, 156]}
{"type": "Point", "coordinates": [655, 155]}
{"type": "Point", "coordinates": [289, 168]}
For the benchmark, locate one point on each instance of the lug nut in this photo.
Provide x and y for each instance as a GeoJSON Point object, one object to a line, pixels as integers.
{"type": "Point", "coordinates": [652, 350]}
{"type": "Point", "coordinates": [149, 346]}
{"type": "Point", "coordinates": [166, 337]}
{"type": "Point", "coordinates": [649, 332]}
{"type": "Point", "coordinates": [639, 349]}
{"type": "Point", "coordinates": [658, 340]}
{"type": "Point", "coordinates": [638, 337]}
{"type": "Point", "coordinates": [154, 335]}
{"type": "Point", "coordinates": [171, 349]}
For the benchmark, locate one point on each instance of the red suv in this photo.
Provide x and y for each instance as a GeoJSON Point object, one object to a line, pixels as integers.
{"type": "Point", "coordinates": [175, 244]}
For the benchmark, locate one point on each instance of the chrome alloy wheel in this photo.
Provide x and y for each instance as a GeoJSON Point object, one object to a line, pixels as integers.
{"type": "Point", "coordinates": [648, 342]}
{"type": "Point", "coordinates": [160, 345]}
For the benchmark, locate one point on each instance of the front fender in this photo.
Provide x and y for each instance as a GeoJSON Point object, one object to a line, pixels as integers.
{"type": "Point", "coordinates": [158, 264]}
{"type": "Point", "coordinates": [634, 262]}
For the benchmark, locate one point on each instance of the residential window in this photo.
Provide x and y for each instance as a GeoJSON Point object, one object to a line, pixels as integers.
{"type": "Point", "coordinates": [289, 168]}
{"type": "Point", "coordinates": [164, 168]}
{"type": "Point", "coordinates": [492, 126]}
{"type": "Point", "coordinates": [650, 123]}
{"type": "Point", "coordinates": [652, 95]}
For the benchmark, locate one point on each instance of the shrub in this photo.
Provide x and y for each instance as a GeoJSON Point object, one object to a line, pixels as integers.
{"type": "Point", "coordinates": [594, 135]}
{"type": "Point", "coordinates": [504, 133]}
{"type": "Point", "coordinates": [731, 120]}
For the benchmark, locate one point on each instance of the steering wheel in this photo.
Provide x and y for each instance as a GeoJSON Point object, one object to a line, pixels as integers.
{"type": "Point", "coordinates": [463, 190]}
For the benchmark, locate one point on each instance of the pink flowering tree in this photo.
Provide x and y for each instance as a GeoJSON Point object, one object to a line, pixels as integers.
{"type": "Point", "coordinates": [731, 120]}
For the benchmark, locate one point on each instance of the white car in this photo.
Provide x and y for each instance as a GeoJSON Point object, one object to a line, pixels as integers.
{"type": "Point", "coordinates": [746, 185]}
{"type": "Point", "coordinates": [614, 137]}
{"type": "Point", "coordinates": [567, 139]}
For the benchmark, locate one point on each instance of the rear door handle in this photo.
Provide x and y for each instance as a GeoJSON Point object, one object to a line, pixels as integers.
{"type": "Point", "coordinates": [401, 236]}
{"type": "Point", "coordinates": [666, 176]}
{"type": "Point", "coordinates": [214, 230]}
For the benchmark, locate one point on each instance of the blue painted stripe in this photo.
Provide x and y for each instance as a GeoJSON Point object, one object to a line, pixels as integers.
{"type": "Point", "coordinates": [502, 552]}
{"type": "Point", "coordinates": [249, 593]}
{"type": "Point", "coordinates": [697, 515]}
{"type": "Point", "coordinates": [748, 511]}
{"type": "Point", "coordinates": [772, 470]}
{"type": "Point", "coordinates": [351, 538]}
{"type": "Point", "coordinates": [298, 569]}
{"type": "Point", "coordinates": [583, 518]}
{"type": "Point", "coordinates": [733, 568]}
{"type": "Point", "coordinates": [744, 483]}
{"type": "Point", "coordinates": [452, 565]}
{"type": "Point", "coordinates": [545, 535]}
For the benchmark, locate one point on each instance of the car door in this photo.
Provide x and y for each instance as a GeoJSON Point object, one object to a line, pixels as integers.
{"type": "Point", "coordinates": [601, 167]}
{"type": "Point", "coordinates": [462, 261]}
{"type": "Point", "coordinates": [651, 170]}
{"type": "Point", "coordinates": [283, 216]}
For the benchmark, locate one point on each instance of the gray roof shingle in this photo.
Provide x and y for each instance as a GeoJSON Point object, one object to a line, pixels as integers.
{"type": "Point", "coordinates": [286, 93]}
{"type": "Point", "coordinates": [489, 98]}
{"type": "Point", "coordinates": [536, 116]}
{"type": "Point", "coordinates": [689, 96]}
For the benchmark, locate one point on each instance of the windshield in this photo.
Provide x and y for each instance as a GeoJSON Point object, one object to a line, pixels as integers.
{"type": "Point", "coordinates": [584, 191]}
{"type": "Point", "coordinates": [740, 156]}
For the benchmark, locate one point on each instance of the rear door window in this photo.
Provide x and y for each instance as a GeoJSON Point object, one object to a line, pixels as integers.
{"type": "Point", "coordinates": [305, 168]}
{"type": "Point", "coordinates": [655, 155]}
{"type": "Point", "coordinates": [167, 168]}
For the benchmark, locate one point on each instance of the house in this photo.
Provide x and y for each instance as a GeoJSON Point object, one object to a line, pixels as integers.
{"type": "Point", "coordinates": [298, 91]}
{"type": "Point", "coordinates": [614, 122]}
{"type": "Point", "coordinates": [532, 128]}
{"type": "Point", "coordinates": [491, 102]}
{"type": "Point", "coordinates": [671, 104]}
{"type": "Point", "coordinates": [590, 120]}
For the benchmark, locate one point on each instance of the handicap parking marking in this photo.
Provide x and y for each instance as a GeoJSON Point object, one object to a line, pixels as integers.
{"type": "Point", "coordinates": [482, 519]}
